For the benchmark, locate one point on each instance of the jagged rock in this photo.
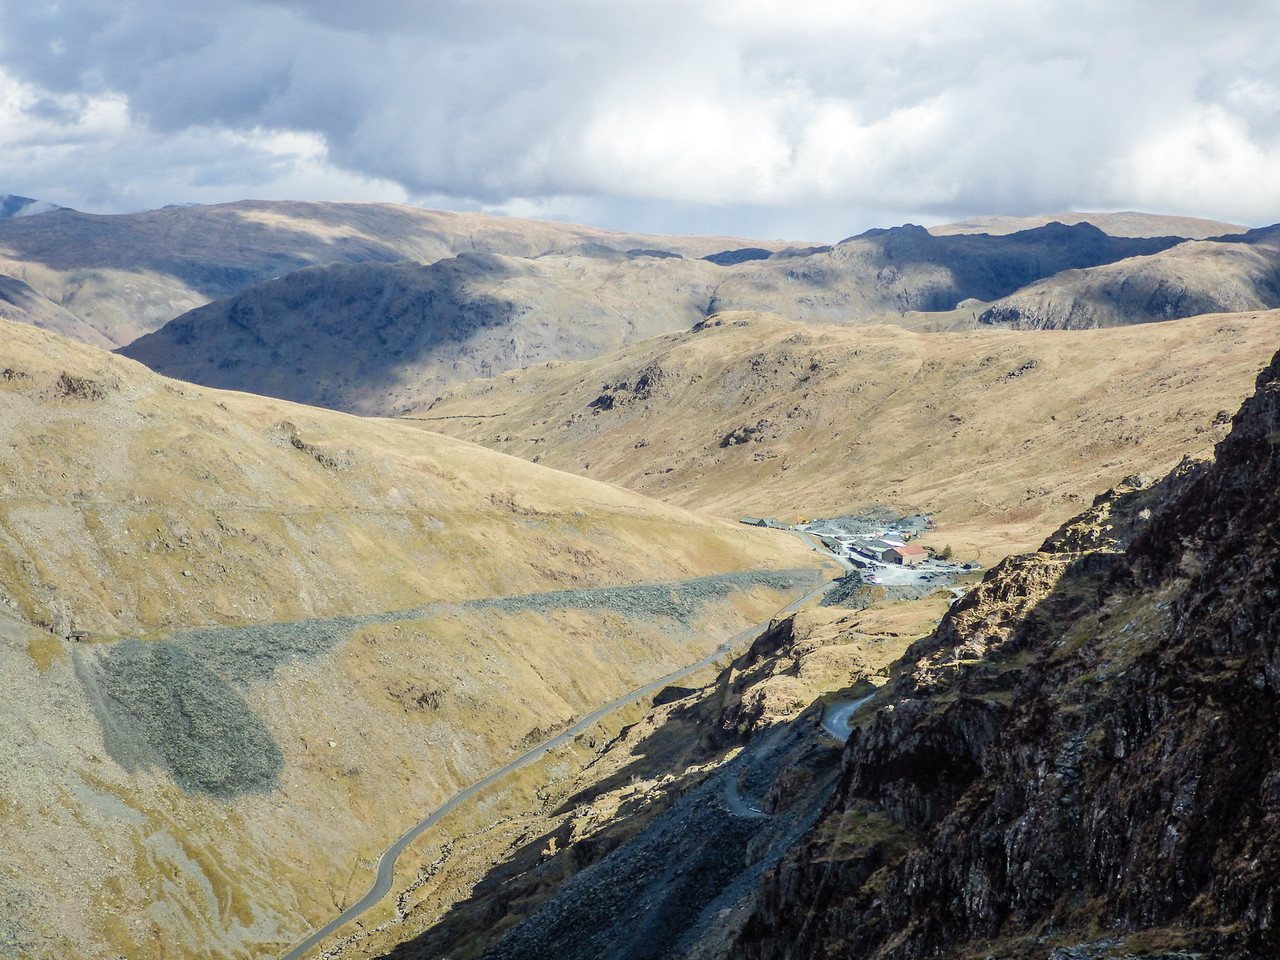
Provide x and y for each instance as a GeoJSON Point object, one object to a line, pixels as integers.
{"type": "Point", "coordinates": [1089, 740]}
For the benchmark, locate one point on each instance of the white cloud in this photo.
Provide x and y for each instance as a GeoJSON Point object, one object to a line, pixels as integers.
{"type": "Point", "coordinates": [1208, 160]}
{"type": "Point", "coordinates": [88, 152]}
{"type": "Point", "coordinates": [691, 113]}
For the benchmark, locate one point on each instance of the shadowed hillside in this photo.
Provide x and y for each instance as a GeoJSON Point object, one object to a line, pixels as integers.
{"type": "Point", "coordinates": [1231, 274]}
{"type": "Point", "coordinates": [909, 269]}
{"type": "Point", "coordinates": [128, 274]}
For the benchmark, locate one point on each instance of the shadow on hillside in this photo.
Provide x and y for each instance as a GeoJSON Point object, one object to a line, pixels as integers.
{"type": "Point", "coordinates": [988, 267]}
{"type": "Point", "coordinates": [213, 250]}
{"type": "Point", "coordinates": [364, 322]}
{"type": "Point", "coordinates": [529, 873]}
{"type": "Point", "coordinates": [666, 864]}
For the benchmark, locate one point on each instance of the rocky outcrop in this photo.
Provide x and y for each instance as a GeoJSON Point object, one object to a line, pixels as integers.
{"type": "Point", "coordinates": [1087, 744]}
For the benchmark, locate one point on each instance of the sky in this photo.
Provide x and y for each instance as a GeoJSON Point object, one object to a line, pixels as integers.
{"type": "Point", "coordinates": [795, 119]}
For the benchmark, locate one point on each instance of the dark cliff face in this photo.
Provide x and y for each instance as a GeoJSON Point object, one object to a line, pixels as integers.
{"type": "Point", "coordinates": [1086, 747]}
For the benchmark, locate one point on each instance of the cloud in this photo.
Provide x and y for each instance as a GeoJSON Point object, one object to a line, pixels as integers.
{"type": "Point", "coordinates": [694, 113]}
{"type": "Point", "coordinates": [1209, 159]}
{"type": "Point", "coordinates": [90, 152]}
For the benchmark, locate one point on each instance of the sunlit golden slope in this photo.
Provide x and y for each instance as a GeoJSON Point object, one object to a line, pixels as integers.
{"type": "Point", "coordinates": [1002, 434]}
{"type": "Point", "coordinates": [131, 502]}
{"type": "Point", "coordinates": [219, 793]}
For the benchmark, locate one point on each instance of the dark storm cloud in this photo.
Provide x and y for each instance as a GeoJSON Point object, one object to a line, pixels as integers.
{"type": "Point", "coordinates": [852, 111]}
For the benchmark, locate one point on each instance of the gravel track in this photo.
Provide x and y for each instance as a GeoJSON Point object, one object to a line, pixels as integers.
{"type": "Point", "coordinates": [679, 600]}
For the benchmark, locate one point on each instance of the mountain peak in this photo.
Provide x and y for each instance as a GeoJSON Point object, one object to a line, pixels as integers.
{"type": "Point", "coordinates": [15, 206]}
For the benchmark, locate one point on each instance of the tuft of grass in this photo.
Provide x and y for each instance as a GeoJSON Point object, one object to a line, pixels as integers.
{"type": "Point", "coordinates": [45, 650]}
{"type": "Point", "coordinates": [856, 834]}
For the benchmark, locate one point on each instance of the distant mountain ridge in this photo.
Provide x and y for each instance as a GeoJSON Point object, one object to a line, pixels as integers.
{"type": "Point", "coordinates": [1128, 223]}
{"type": "Point", "coordinates": [1225, 274]}
{"type": "Point", "coordinates": [373, 338]}
{"type": "Point", "coordinates": [894, 271]}
{"type": "Point", "coordinates": [128, 274]}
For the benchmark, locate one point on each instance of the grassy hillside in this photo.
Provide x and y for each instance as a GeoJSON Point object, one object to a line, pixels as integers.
{"type": "Point", "coordinates": [318, 664]}
{"type": "Point", "coordinates": [1002, 434]}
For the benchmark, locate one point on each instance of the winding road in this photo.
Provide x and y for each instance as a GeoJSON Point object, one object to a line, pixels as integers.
{"type": "Point", "coordinates": [387, 862]}
{"type": "Point", "coordinates": [837, 719]}
{"type": "Point", "coordinates": [737, 806]}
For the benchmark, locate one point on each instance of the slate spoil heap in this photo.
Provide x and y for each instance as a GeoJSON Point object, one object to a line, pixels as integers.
{"type": "Point", "coordinates": [1083, 759]}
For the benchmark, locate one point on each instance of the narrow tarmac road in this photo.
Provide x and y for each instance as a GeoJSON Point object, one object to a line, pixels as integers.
{"type": "Point", "coordinates": [837, 719]}
{"type": "Point", "coordinates": [387, 862]}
